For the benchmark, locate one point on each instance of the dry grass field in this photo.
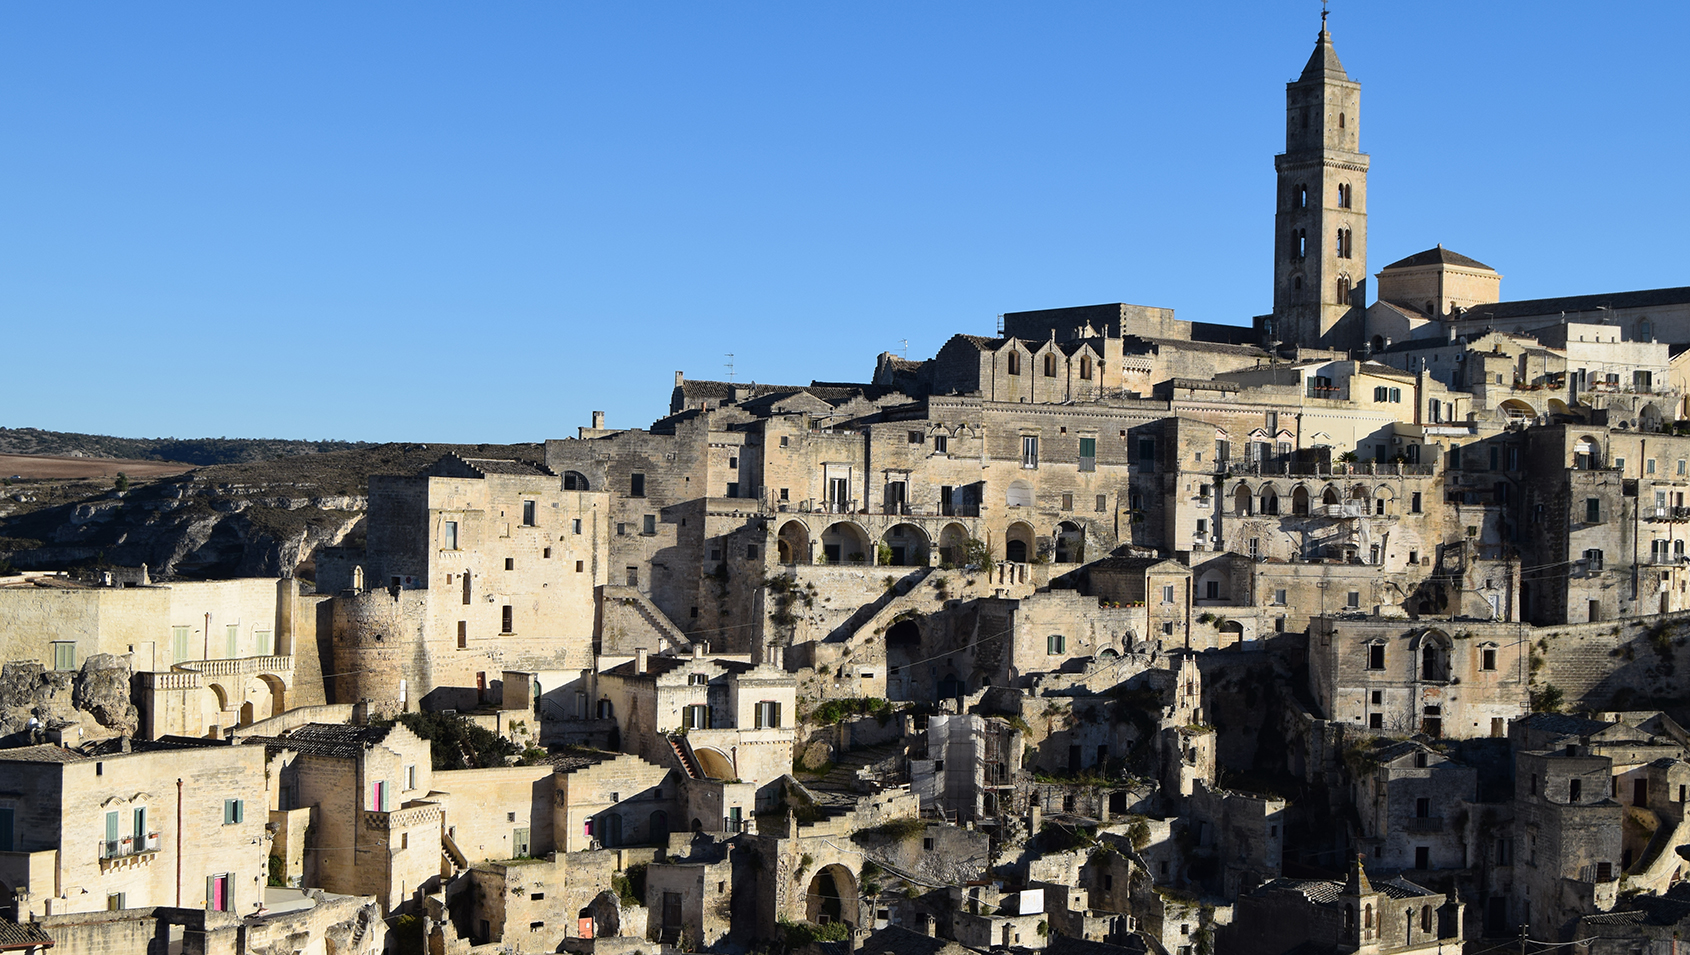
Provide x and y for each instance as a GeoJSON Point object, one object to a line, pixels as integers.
{"type": "Point", "coordinates": [52, 468]}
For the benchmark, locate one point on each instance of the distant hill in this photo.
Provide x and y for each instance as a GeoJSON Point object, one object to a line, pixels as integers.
{"type": "Point", "coordinates": [201, 451]}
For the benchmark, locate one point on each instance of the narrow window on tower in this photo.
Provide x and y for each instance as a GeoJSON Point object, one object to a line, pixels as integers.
{"type": "Point", "coordinates": [1343, 290]}
{"type": "Point", "coordinates": [1340, 120]}
{"type": "Point", "coordinates": [1050, 366]}
{"type": "Point", "coordinates": [1302, 197]}
{"type": "Point", "coordinates": [1299, 244]}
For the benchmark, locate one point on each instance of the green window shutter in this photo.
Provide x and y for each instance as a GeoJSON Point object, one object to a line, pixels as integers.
{"type": "Point", "coordinates": [140, 822]}
{"type": "Point", "coordinates": [1088, 447]}
{"type": "Point", "coordinates": [111, 827]}
{"type": "Point", "coordinates": [234, 639]}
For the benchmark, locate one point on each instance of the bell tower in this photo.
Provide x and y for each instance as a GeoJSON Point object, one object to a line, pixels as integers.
{"type": "Point", "coordinates": [1320, 226]}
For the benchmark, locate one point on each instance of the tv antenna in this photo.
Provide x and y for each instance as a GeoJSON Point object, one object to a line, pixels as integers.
{"type": "Point", "coordinates": [906, 344]}
{"type": "Point", "coordinates": [730, 366]}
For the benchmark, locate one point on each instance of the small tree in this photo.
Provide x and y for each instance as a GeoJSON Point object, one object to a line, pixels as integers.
{"type": "Point", "coordinates": [122, 482]}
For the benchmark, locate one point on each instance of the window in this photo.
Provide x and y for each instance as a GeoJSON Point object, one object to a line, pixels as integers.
{"type": "Point", "coordinates": [64, 655]}
{"type": "Point", "coordinates": [580, 566]}
{"type": "Point", "coordinates": [575, 526]}
{"type": "Point", "coordinates": [546, 553]}
{"type": "Point", "coordinates": [1423, 805]}
{"type": "Point", "coordinates": [1102, 503]}
{"type": "Point", "coordinates": [231, 640]}
{"type": "Point", "coordinates": [463, 634]}
{"type": "Point", "coordinates": [234, 811]}
{"type": "Point", "coordinates": [1202, 526]}
{"type": "Point", "coordinates": [1085, 367]}
{"type": "Point", "coordinates": [915, 437]}
{"type": "Point", "coordinates": [510, 563]}
{"type": "Point", "coordinates": [785, 440]}
{"type": "Point", "coordinates": [1413, 557]}
{"type": "Point", "coordinates": [1593, 510]}
{"type": "Point", "coordinates": [1146, 452]}
{"type": "Point", "coordinates": [1212, 590]}
{"type": "Point", "coordinates": [698, 679]}
{"type": "Point", "coordinates": [1050, 366]}
{"type": "Point", "coordinates": [650, 525]}
{"type": "Point", "coordinates": [751, 552]}
{"type": "Point", "coordinates": [1353, 601]}
{"type": "Point", "coordinates": [1343, 290]}
{"type": "Point", "coordinates": [505, 620]}
{"type": "Point", "coordinates": [1649, 466]}
{"type": "Point", "coordinates": [1055, 643]}
{"type": "Point", "coordinates": [696, 717]}
{"type": "Point", "coordinates": [1344, 247]}
{"type": "Point", "coordinates": [449, 535]}
{"type": "Point", "coordinates": [1376, 721]}
{"type": "Point", "coordinates": [1345, 193]}
{"type": "Point", "coordinates": [1376, 656]}
{"type": "Point", "coordinates": [1414, 503]}
{"type": "Point", "coordinates": [941, 445]}
{"type": "Point", "coordinates": [1299, 244]}
{"type": "Point", "coordinates": [380, 800]}
{"type": "Point", "coordinates": [1575, 789]}
{"type": "Point", "coordinates": [219, 894]}
{"type": "Point", "coordinates": [410, 777]}
{"type": "Point", "coordinates": [631, 576]}
{"type": "Point", "coordinates": [528, 515]}
{"type": "Point", "coordinates": [636, 485]}
{"type": "Point", "coordinates": [1088, 454]}
{"type": "Point", "coordinates": [1029, 451]}
{"type": "Point", "coordinates": [768, 715]}
{"type": "Point", "coordinates": [1014, 363]}
{"type": "Point", "coordinates": [1067, 501]}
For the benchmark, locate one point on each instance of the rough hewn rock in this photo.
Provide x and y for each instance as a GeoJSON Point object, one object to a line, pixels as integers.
{"type": "Point", "coordinates": [102, 691]}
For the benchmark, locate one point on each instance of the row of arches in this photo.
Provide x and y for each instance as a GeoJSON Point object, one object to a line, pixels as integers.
{"type": "Point", "coordinates": [908, 545]}
{"type": "Point", "coordinates": [1268, 499]}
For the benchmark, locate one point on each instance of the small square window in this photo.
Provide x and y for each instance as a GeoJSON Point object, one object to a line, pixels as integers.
{"type": "Point", "coordinates": [916, 437]}
{"type": "Point", "coordinates": [580, 565]}
{"type": "Point", "coordinates": [510, 563]}
{"type": "Point", "coordinates": [785, 441]}
{"type": "Point", "coordinates": [1055, 643]}
{"type": "Point", "coordinates": [546, 554]}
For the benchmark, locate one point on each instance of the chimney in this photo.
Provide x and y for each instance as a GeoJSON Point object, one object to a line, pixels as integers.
{"type": "Point", "coordinates": [698, 649]}
{"type": "Point", "coordinates": [679, 377]}
{"type": "Point", "coordinates": [639, 659]}
{"type": "Point", "coordinates": [598, 421]}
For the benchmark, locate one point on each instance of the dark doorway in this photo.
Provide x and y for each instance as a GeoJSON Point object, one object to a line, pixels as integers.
{"type": "Point", "coordinates": [1640, 792]}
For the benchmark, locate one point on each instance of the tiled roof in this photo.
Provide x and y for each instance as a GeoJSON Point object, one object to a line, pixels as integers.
{"type": "Point", "coordinates": [42, 753]}
{"type": "Point", "coordinates": [1538, 307]}
{"type": "Point", "coordinates": [19, 935]}
{"type": "Point", "coordinates": [657, 665]}
{"type": "Point", "coordinates": [1401, 888]}
{"type": "Point", "coordinates": [1564, 724]}
{"type": "Point", "coordinates": [1438, 256]}
{"type": "Point", "coordinates": [335, 741]}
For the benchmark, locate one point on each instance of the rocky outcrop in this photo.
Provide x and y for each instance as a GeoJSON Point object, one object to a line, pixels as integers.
{"type": "Point", "coordinates": [97, 696]}
{"type": "Point", "coordinates": [263, 519]}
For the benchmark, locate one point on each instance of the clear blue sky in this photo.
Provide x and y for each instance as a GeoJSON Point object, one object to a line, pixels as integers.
{"type": "Point", "coordinates": [479, 222]}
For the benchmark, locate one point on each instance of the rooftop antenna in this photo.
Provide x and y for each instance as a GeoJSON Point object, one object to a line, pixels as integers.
{"type": "Point", "coordinates": [730, 366]}
{"type": "Point", "coordinates": [906, 344]}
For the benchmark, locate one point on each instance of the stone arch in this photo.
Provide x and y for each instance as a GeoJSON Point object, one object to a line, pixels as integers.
{"type": "Point", "coordinates": [1018, 542]}
{"type": "Point", "coordinates": [1516, 408]}
{"type": "Point", "coordinates": [904, 632]}
{"type": "Point", "coordinates": [953, 544]}
{"type": "Point", "coordinates": [1243, 502]}
{"type": "Point", "coordinates": [908, 544]}
{"type": "Point", "coordinates": [845, 542]}
{"type": "Point", "coordinates": [1587, 454]}
{"type": "Point", "coordinates": [221, 693]}
{"type": "Point", "coordinates": [1431, 655]}
{"type": "Point", "coordinates": [832, 896]}
{"type": "Point", "coordinates": [575, 481]}
{"type": "Point", "coordinates": [1270, 499]}
{"type": "Point", "coordinates": [1300, 500]}
{"type": "Point", "coordinates": [1329, 496]}
{"type": "Point", "coordinates": [1557, 406]}
{"type": "Point", "coordinates": [1107, 653]}
{"type": "Point", "coordinates": [714, 763]}
{"type": "Point", "coordinates": [609, 829]}
{"type": "Point", "coordinates": [277, 690]}
{"type": "Point", "coordinates": [793, 543]}
{"type": "Point", "coordinates": [1070, 543]}
{"type": "Point", "coordinates": [1383, 498]}
{"type": "Point", "coordinates": [1020, 493]}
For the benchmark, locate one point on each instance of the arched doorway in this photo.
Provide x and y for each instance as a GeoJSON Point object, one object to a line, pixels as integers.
{"type": "Point", "coordinates": [714, 764]}
{"type": "Point", "coordinates": [1300, 501]}
{"type": "Point", "coordinates": [953, 544]}
{"type": "Point", "coordinates": [1242, 501]}
{"type": "Point", "coordinates": [575, 481]}
{"type": "Point", "coordinates": [1329, 496]}
{"type": "Point", "coordinates": [657, 828]}
{"type": "Point", "coordinates": [908, 545]}
{"type": "Point", "coordinates": [609, 830]}
{"type": "Point", "coordinates": [832, 896]}
{"type": "Point", "coordinates": [793, 543]}
{"type": "Point", "coordinates": [1018, 542]}
{"type": "Point", "coordinates": [845, 543]}
{"type": "Point", "coordinates": [1070, 543]}
{"type": "Point", "coordinates": [246, 713]}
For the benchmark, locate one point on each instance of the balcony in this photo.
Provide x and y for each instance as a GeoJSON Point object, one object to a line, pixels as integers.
{"type": "Point", "coordinates": [1348, 509]}
{"type": "Point", "coordinates": [128, 853]}
{"type": "Point", "coordinates": [1673, 515]}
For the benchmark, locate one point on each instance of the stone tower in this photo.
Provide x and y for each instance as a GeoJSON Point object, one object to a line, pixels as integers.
{"type": "Point", "coordinates": [1320, 227]}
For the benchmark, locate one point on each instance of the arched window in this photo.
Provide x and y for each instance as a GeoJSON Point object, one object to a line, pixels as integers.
{"type": "Point", "coordinates": [1340, 120]}
{"type": "Point", "coordinates": [575, 481]}
{"type": "Point", "coordinates": [1425, 918]}
{"type": "Point", "coordinates": [1344, 195]}
{"type": "Point", "coordinates": [1343, 290]}
{"type": "Point", "coordinates": [1299, 243]}
{"type": "Point", "coordinates": [1297, 282]}
{"type": "Point", "coordinates": [1344, 247]}
{"type": "Point", "coordinates": [1015, 363]}
{"type": "Point", "coordinates": [1302, 197]}
{"type": "Point", "coordinates": [1431, 308]}
{"type": "Point", "coordinates": [1050, 366]}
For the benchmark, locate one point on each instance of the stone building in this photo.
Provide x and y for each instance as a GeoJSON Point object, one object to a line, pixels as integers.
{"type": "Point", "coordinates": [1357, 915]}
{"type": "Point", "coordinates": [473, 567]}
{"type": "Point", "coordinates": [166, 823]}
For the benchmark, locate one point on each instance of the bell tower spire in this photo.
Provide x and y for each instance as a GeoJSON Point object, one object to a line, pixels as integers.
{"type": "Point", "coordinates": [1320, 223]}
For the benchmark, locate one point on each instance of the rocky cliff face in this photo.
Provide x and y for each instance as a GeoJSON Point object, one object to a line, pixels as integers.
{"type": "Point", "coordinates": [97, 696]}
{"type": "Point", "coordinates": [259, 519]}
